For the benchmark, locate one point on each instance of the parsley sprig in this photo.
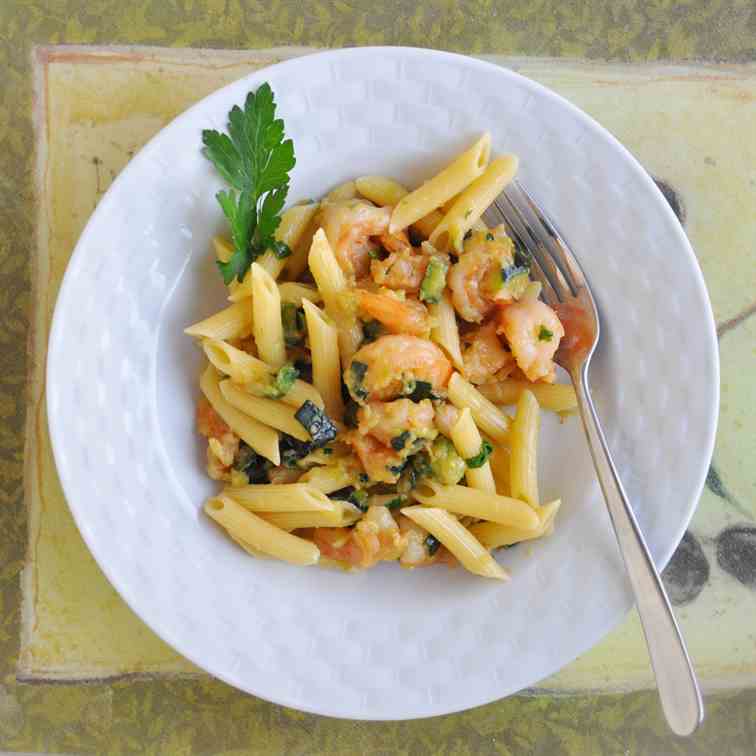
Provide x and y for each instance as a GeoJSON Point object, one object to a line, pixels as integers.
{"type": "Point", "coordinates": [255, 159]}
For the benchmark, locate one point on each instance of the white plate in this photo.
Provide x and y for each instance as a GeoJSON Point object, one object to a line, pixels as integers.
{"type": "Point", "coordinates": [387, 644]}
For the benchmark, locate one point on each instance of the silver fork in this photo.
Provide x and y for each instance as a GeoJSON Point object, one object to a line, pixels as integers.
{"type": "Point", "coordinates": [565, 289]}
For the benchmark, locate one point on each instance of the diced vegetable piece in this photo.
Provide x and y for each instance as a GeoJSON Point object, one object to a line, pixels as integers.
{"type": "Point", "coordinates": [432, 544]}
{"type": "Point", "coordinates": [447, 466]}
{"type": "Point", "coordinates": [293, 320]}
{"type": "Point", "coordinates": [398, 442]}
{"type": "Point", "coordinates": [315, 421]}
{"type": "Point", "coordinates": [357, 373]}
{"type": "Point", "coordinates": [434, 281]}
{"type": "Point", "coordinates": [252, 464]}
{"type": "Point", "coordinates": [283, 382]}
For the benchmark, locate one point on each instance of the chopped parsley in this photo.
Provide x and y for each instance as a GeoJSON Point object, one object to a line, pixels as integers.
{"type": "Point", "coordinates": [293, 320]}
{"type": "Point", "coordinates": [315, 421]}
{"type": "Point", "coordinates": [395, 503]}
{"type": "Point", "coordinates": [489, 236]}
{"type": "Point", "coordinates": [353, 496]}
{"type": "Point", "coordinates": [544, 334]}
{"type": "Point", "coordinates": [421, 390]}
{"type": "Point", "coordinates": [481, 457]}
{"type": "Point", "coordinates": [283, 382]}
{"type": "Point", "coordinates": [252, 464]}
{"type": "Point", "coordinates": [255, 160]}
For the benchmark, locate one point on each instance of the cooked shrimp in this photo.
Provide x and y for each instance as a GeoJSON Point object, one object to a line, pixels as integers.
{"type": "Point", "coordinates": [403, 269]}
{"type": "Point", "coordinates": [533, 331]}
{"type": "Point", "coordinates": [398, 315]}
{"type": "Point", "coordinates": [485, 356]}
{"type": "Point", "coordinates": [385, 421]}
{"type": "Point", "coordinates": [375, 538]}
{"type": "Point", "coordinates": [446, 417]}
{"type": "Point", "coordinates": [349, 225]}
{"type": "Point", "coordinates": [383, 369]}
{"type": "Point", "coordinates": [209, 422]}
{"type": "Point", "coordinates": [398, 242]}
{"type": "Point", "coordinates": [381, 463]}
{"type": "Point", "coordinates": [475, 279]}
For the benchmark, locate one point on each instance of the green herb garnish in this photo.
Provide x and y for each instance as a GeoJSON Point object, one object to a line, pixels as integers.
{"type": "Point", "coordinates": [315, 421]}
{"type": "Point", "coordinates": [481, 457]}
{"type": "Point", "coordinates": [255, 160]}
{"type": "Point", "coordinates": [282, 383]}
{"type": "Point", "coordinates": [422, 390]}
{"type": "Point", "coordinates": [489, 236]}
{"type": "Point", "coordinates": [544, 334]}
{"type": "Point", "coordinates": [293, 321]}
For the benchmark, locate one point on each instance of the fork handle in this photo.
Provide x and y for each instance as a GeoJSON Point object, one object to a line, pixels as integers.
{"type": "Point", "coordinates": [675, 678]}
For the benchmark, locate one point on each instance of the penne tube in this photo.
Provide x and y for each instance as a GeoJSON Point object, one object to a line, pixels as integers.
{"type": "Point", "coordinates": [523, 461]}
{"type": "Point", "coordinates": [472, 203]}
{"type": "Point", "coordinates": [499, 461]}
{"type": "Point", "coordinates": [445, 331]}
{"type": "Point", "coordinates": [280, 497]}
{"type": "Point", "coordinates": [260, 535]}
{"type": "Point", "coordinates": [294, 293]}
{"type": "Point", "coordinates": [339, 517]}
{"type": "Point", "coordinates": [267, 324]}
{"type": "Point", "coordinates": [458, 540]}
{"type": "Point", "coordinates": [488, 417]}
{"type": "Point", "coordinates": [557, 397]}
{"type": "Point", "coordinates": [268, 411]}
{"type": "Point", "coordinates": [470, 502]}
{"type": "Point", "coordinates": [345, 191]}
{"type": "Point", "coordinates": [326, 364]}
{"type": "Point", "coordinates": [469, 444]}
{"type": "Point", "coordinates": [328, 479]}
{"type": "Point", "coordinates": [235, 363]}
{"type": "Point", "coordinates": [380, 190]}
{"type": "Point", "coordinates": [443, 186]}
{"type": "Point", "coordinates": [263, 439]}
{"type": "Point", "coordinates": [294, 223]}
{"type": "Point", "coordinates": [332, 284]}
{"type": "Point", "coordinates": [492, 535]}
{"type": "Point", "coordinates": [233, 322]}
{"type": "Point", "coordinates": [425, 226]}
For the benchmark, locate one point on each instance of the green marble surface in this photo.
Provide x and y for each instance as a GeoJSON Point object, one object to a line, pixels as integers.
{"type": "Point", "coordinates": [189, 716]}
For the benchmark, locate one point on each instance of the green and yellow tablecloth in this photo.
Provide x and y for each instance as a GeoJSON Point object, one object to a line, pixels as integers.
{"type": "Point", "coordinates": [70, 119]}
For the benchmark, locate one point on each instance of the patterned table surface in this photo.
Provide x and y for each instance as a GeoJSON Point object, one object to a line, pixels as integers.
{"type": "Point", "coordinates": [94, 107]}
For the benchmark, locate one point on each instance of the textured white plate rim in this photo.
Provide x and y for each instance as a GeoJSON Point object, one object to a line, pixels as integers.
{"type": "Point", "coordinates": [58, 432]}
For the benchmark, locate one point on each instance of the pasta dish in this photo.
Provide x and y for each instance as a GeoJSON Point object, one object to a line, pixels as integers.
{"type": "Point", "coordinates": [355, 392]}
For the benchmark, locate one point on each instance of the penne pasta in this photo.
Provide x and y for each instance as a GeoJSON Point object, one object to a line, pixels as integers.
{"type": "Point", "coordinates": [489, 418]}
{"type": "Point", "coordinates": [281, 497]}
{"type": "Point", "coordinates": [345, 191]}
{"type": "Point", "coordinates": [328, 479]}
{"type": "Point", "coordinates": [260, 535]}
{"type": "Point", "coordinates": [557, 397]}
{"type": "Point", "coordinates": [499, 461]}
{"type": "Point", "coordinates": [326, 365]}
{"type": "Point", "coordinates": [238, 365]}
{"type": "Point", "coordinates": [445, 332]}
{"type": "Point", "coordinates": [294, 223]}
{"type": "Point", "coordinates": [261, 438]}
{"type": "Point", "coordinates": [492, 535]}
{"type": "Point", "coordinates": [268, 411]}
{"type": "Point", "coordinates": [380, 190]}
{"type": "Point", "coordinates": [233, 322]}
{"type": "Point", "coordinates": [472, 203]}
{"type": "Point", "coordinates": [267, 324]}
{"type": "Point", "coordinates": [425, 226]}
{"type": "Point", "coordinates": [342, 515]}
{"type": "Point", "coordinates": [332, 284]}
{"type": "Point", "coordinates": [469, 444]}
{"type": "Point", "coordinates": [458, 540]}
{"type": "Point", "coordinates": [470, 502]}
{"type": "Point", "coordinates": [523, 466]}
{"type": "Point", "coordinates": [443, 186]}
{"type": "Point", "coordinates": [293, 292]}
